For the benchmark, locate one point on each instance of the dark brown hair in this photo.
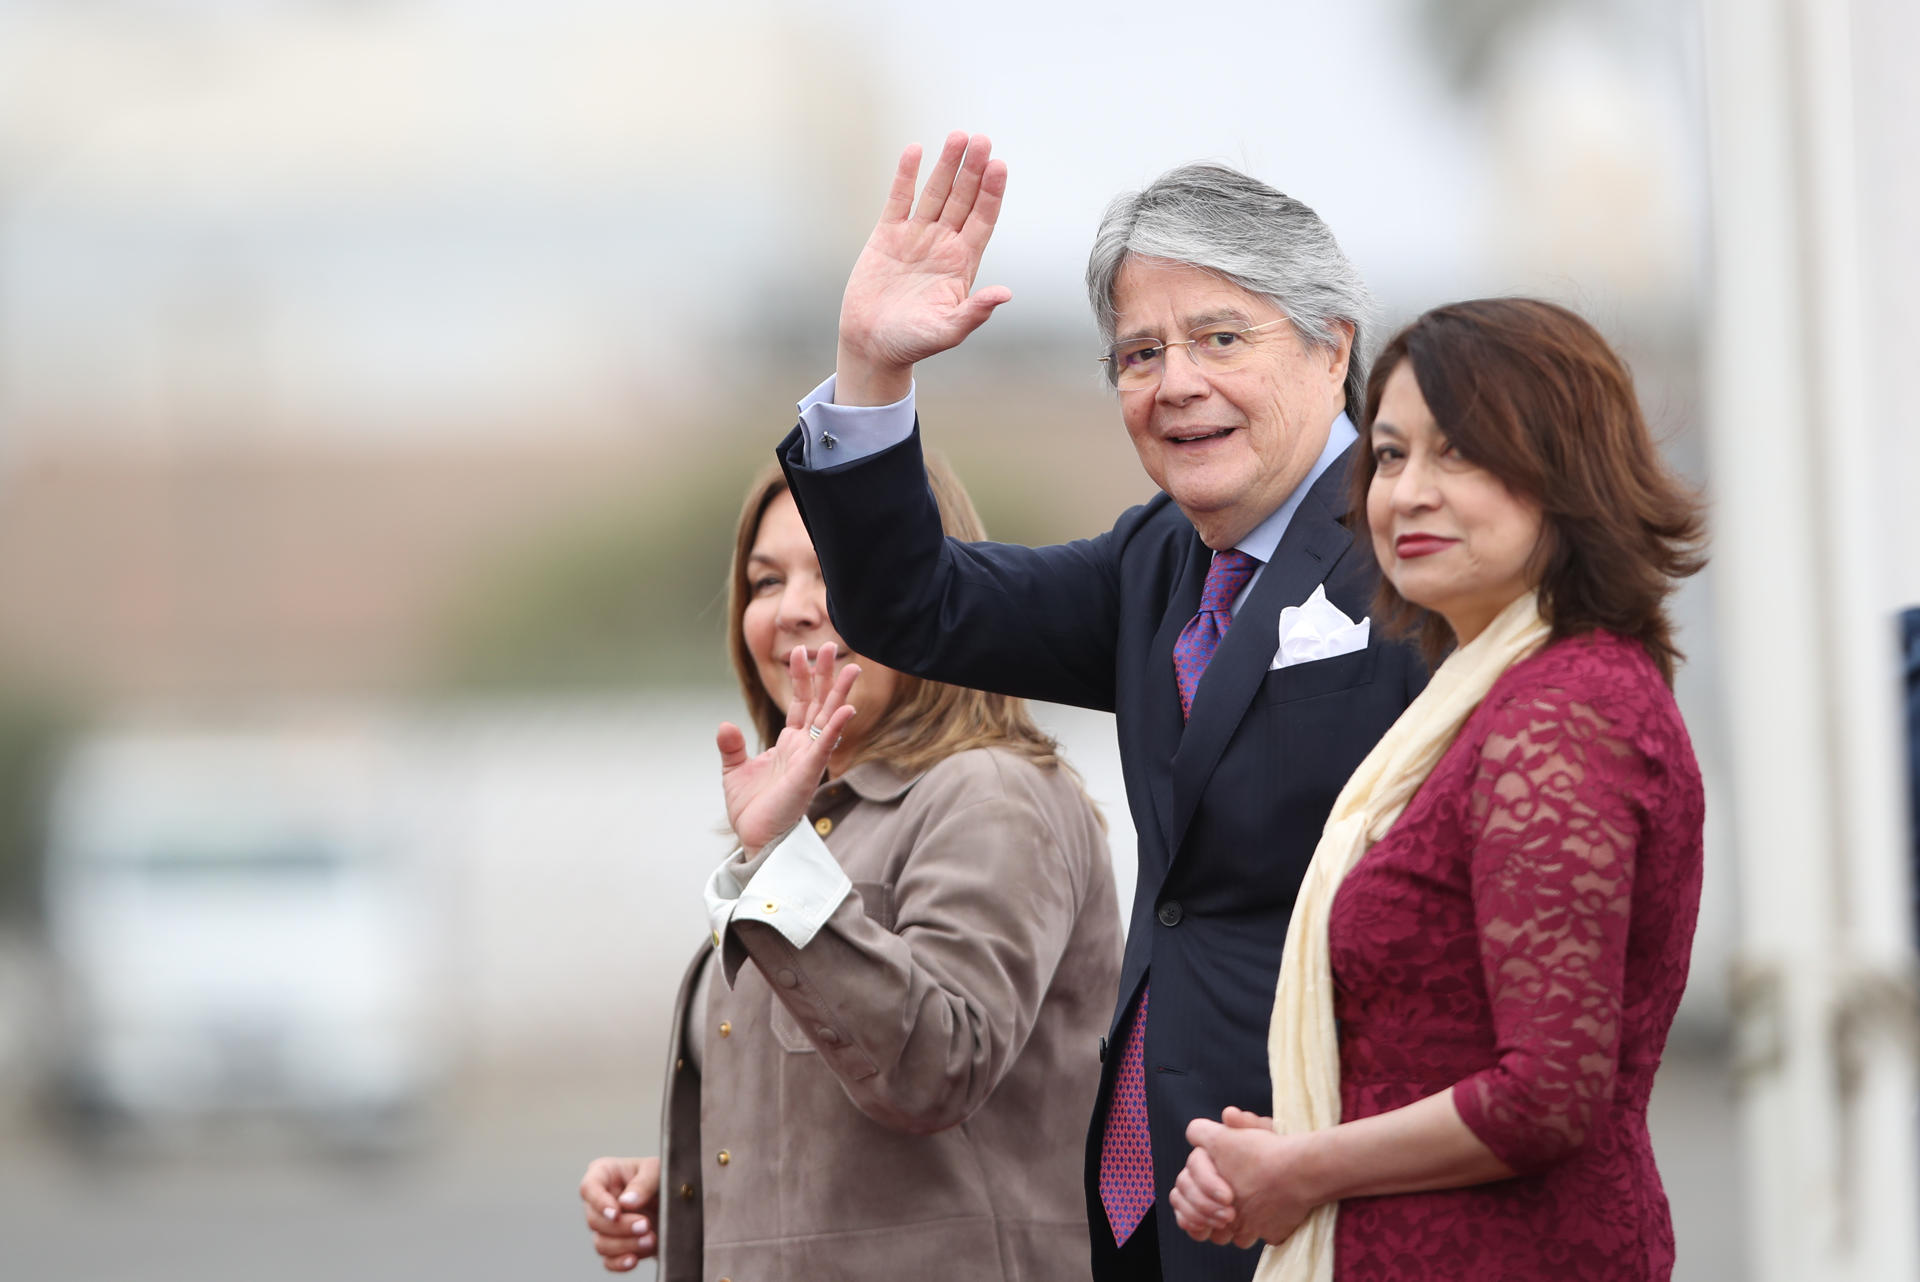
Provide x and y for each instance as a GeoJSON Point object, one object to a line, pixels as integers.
{"type": "Point", "coordinates": [1530, 392]}
{"type": "Point", "coordinates": [926, 721]}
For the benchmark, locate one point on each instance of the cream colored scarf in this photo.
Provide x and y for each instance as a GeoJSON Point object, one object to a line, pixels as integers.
{"type": "Point", "coordinates": [1303, 1051]}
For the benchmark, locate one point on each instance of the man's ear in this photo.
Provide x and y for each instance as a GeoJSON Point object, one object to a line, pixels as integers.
{"type": "Point", "coordinates": [1341, 353]}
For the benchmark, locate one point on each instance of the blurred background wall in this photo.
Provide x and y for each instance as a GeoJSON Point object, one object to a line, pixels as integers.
{"type": "Point", "coordinates": [378, 379]}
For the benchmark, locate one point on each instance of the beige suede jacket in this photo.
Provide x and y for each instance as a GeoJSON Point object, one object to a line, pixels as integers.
{"type": "Point", "coordinates": [907, 1096]}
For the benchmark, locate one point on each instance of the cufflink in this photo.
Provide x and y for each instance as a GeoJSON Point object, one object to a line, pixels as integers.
{"type": "Point", "coordinates": [828, 440]}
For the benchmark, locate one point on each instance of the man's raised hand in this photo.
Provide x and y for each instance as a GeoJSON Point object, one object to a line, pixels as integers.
{"type": "Point", "coordinates": [911, 293]}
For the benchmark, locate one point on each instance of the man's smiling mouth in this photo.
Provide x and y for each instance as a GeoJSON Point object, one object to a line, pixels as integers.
{"type": "Point", "coordinates": [1203, 436]}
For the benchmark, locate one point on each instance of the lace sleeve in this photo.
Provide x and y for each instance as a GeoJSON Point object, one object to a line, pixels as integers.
{"type": "Point", "coordinates": [1556, 803]}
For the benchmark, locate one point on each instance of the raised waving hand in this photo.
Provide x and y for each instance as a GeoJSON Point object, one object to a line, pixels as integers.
{"type": "Point", "coordinates": [768, 794]}
{"type": "Point", "coordinates": [911, 293]}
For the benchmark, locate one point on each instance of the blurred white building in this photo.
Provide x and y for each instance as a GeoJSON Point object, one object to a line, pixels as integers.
{"type": "Point", "coordinates": [373, 221]}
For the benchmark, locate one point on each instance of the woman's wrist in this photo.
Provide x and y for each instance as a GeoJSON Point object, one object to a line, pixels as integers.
{"type": "Point", "coordinates": [1314, 1170]}
{"type": "Point", "coordinates": [751, 852]}
{"type": "Point", "coordinates": [1420, 1146]}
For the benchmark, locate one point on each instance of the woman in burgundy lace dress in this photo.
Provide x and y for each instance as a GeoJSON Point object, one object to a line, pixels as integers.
{"type": "Point", "coordinates": [1505, 943]}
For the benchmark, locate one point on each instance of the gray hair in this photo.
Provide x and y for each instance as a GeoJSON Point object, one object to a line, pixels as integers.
{"type": "Point", "coordinates": [1269, 244]}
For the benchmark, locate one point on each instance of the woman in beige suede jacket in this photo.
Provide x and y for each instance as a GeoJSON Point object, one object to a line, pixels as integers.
{"type": "Point", "coordinates": [884, 1058]}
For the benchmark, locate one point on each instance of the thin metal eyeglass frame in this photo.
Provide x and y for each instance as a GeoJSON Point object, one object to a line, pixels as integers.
{"type": "Point", "coordinates": [1113, 368]}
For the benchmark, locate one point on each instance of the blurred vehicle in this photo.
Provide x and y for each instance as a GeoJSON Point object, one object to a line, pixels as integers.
{"type": "Point", "coordinates": [237, 930]}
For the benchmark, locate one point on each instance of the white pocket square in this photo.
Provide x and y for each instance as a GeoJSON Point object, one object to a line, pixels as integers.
{"type": "Point", "coordinates": [1316, 629]}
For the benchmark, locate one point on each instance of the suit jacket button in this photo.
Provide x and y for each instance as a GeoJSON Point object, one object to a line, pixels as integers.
{"type": "Point", "coordinates": [1170, 913]}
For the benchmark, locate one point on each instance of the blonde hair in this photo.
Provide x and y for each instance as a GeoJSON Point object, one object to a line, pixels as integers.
{"type": "Point", "coordinates": [926, 721]}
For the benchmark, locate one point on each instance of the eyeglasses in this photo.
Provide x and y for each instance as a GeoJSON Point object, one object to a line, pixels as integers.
{"type": "Point", "coordinates": [1139, 363]}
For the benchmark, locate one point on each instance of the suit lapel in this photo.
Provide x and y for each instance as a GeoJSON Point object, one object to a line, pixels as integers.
{"type": "Point", "coordinates": [1314, 541]}
{"type": "Point", "coordinates": [1165, 722]}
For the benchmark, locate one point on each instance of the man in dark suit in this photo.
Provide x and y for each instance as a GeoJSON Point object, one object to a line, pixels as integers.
{"type": "Point", "coordinates": [1233, 320]}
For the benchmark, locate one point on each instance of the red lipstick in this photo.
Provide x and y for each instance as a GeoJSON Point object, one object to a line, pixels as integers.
{"type": "Point", "coordinates": [1408, 546]}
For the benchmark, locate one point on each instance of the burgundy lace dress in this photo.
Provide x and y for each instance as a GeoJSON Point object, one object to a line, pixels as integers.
{"type": "Point", "coordinates": [1521, 937]}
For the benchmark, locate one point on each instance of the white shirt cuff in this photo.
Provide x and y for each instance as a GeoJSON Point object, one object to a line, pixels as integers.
{"type": "Point", "coordinates": [837, 434]}
{"type": "Point", "coordinates": [797, 887]}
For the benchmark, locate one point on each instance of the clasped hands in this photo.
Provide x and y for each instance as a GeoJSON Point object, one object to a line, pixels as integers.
{"type": "Point", "coordinates": [1242, 1183]}
{"type": "Point", "coordinates": [768, 794]}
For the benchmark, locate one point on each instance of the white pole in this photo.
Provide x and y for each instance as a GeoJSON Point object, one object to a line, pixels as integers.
{"type": "Point", "coordinates": [1823, 1004]}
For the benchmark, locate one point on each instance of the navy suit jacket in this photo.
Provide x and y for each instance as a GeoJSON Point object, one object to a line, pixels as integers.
{"type": "Point", "coordinates": [1228, 805]}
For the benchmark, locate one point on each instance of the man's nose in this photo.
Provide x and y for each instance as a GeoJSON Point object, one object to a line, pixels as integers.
{"type": "Point", "coordinates": [1181, 378]}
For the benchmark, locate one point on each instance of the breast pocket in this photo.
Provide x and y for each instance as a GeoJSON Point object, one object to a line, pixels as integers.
{"type": "Point", "coordinates": [1321, 677]}
{"type": "Point", "coordinates": [876, 901]}
{"type": "Point", "coordinates": [1322, 719]}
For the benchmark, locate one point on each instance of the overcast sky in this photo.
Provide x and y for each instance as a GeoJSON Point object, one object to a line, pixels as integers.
{"type": "Point", "coordinates": [396, 203]}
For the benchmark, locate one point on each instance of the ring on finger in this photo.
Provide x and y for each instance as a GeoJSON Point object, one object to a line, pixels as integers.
{"type": "Point", "coordinates": [814, 732]}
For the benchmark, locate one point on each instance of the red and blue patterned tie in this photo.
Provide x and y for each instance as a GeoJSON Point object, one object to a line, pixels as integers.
{"type": "Point", "coordinates": [1201, 637]}
{"type": "Point", "coordinates": [1126, 1150]}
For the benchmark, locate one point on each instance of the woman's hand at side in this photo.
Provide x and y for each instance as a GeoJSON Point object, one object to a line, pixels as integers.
{"type": "Point", "coordinates": [1203, 1202]}
{"type": "Point", "coordinates": [1242, 1183]}
{"type": "Point", "coordinates": [768, 794]}
{"type": "Point", "coordinates": [910, 295]}
{"type": "Point", "coordinates": [1273, 1182]}
{"type": "Point", "coordinates": [622, 1199]}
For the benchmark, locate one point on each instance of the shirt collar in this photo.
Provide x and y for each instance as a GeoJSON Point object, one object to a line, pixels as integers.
{"type": "Point", "coordinates": [1265, 537]}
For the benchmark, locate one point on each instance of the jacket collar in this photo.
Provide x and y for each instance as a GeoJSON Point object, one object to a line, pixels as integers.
{"type": "Point", "coordinates": [871, 780]}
